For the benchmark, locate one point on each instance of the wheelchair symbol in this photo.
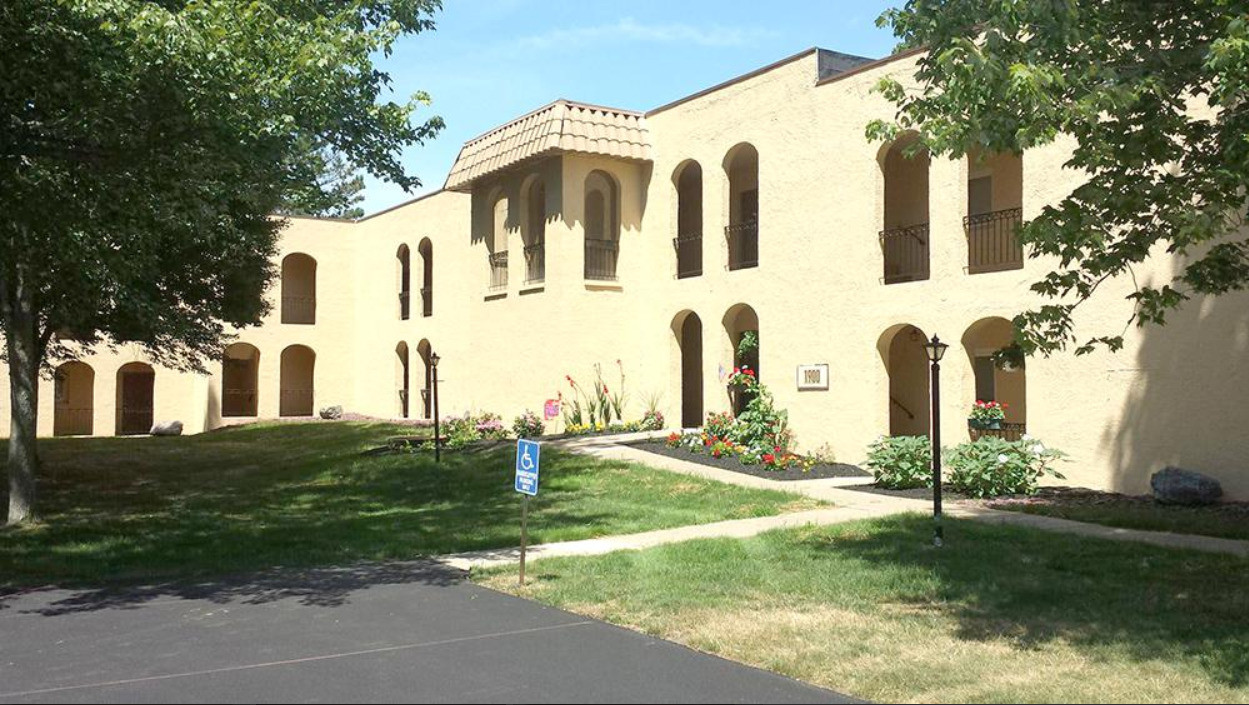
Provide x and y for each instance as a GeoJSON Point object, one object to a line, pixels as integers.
{"type": "Point", "coordinates": [526, 462]}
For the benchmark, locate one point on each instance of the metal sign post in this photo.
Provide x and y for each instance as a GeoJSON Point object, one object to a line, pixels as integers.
{"type": "Point", "coordinates": [528, 462]}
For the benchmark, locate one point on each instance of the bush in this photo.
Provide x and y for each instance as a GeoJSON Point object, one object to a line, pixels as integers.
{"type": "Point", "coordinates": [992, 467]}
{"type": "Point", "coordinates": [528, 425]}
{"type": "Point", "coordinates": [901, 462]}
{"type": "Point", "coordinates": [490, 426]}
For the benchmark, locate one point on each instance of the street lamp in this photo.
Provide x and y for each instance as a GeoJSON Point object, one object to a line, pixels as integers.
{"type": "Point", "coordinates": [433, 365]}
{"type": "Point", "coordinates": [936, 350]}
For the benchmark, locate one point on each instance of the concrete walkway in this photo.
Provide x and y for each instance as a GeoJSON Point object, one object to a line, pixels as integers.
{"type": "Point", "coordinates": [849, 505]}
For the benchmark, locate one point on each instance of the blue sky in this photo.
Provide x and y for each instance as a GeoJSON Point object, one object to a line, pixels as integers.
{"type": "Point", "coordinates": [492, 60]}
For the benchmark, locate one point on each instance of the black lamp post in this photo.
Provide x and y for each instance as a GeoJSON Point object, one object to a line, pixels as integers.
{"type": "Point", "coordinates": [936, 350]}
{"type": "Point", "coordinates": [433, 364]}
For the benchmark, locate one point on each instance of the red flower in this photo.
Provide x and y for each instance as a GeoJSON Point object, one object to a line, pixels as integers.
{"type": "Point", "coordinates": [604, 388]}
{"type": "Point", "coordinates": [749, 372]}
{"type": "Point", "coordinates": [769, 458]}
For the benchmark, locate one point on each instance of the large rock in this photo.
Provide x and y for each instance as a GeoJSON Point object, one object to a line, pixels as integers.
{"type": "Point", "coordinates": [332, 413]}
{"type": "Point", "coordinates": [167, 428]}
{"type": "Point", "coordinates": [1177, 486]}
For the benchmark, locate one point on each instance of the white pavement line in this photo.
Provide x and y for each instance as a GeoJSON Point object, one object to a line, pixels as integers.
{"type": "Point", "coordinates": [292, 662]}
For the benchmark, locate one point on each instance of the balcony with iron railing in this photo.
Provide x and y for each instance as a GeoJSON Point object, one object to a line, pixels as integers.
{"type": "Point", "coordinates": [535, 263]}
{"type": "Point", "coordinates": [427, 302]}
{"type": "Point", "coordinates": [295, 402]}
{"type": "Point", "coordinates": [239, 403]}
{"type": "Point", "coordinates": [405, 305]}
{"type": "Point", "coordinates": [993, 242]}
{"type": "Point", "coordinates": [743, 242]}
{"type": "Point", "coordinates": [689, 249]}
{"type": "Point", "coordinates": [498, 271]}
{"type": "Point", "coordinates": [601, 257]}
{"type": "Point", "coordinates": [300, 310]}
{"type": "Point", "coordinates": [72, 421]}
{"type": "Point", "coordinates": [905, 253]}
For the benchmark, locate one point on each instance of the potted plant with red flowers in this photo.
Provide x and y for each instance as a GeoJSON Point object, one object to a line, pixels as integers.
{"type": "Point", "coordinates": [987, 415]}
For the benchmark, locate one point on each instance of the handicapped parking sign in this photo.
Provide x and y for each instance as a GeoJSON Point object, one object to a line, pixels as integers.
{"type": "Point", "coordinates": [527, 462]}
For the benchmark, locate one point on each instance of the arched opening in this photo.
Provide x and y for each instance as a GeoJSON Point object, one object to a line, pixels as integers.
{"type": "Point", "coordinates": [299, 289]}
{"type": "Point", "coordinates": [904, 237]}
{"type": "Point", "coordinates": [136, 385]}
{"type": "Point", "coordinates": [427, 387]}
{"type": "Point", "coordinates": [404, 265]}
{"type": "Point", "coordinates": [74, 413]}
{"type": "Point", "coordinates": [297, 382]}
{"type": "Point", "coordinates": [535, 232]}
{"type": "Point", "coordinates": [240, 381]}
{"type": "Point", "coordinates": [741, 166]}
{"type": "Point", "coordinates": [902, 350]}
{"type": "Point", "coordinates": [402, 379]}
{"type": "Point", "coordinates": [426, 248]}
{"type": "Point", "coordinates": [994, 212]}
{"type": "Point", "coordinates": [741, 326]}
{"type": "Point", "coordinates": [687, 329]}
{"type": "Point", "coordinates": [602, 226]}
{"type": "Point", "coordinates": [498, 241]}
{"type": "Point", "coordinates": [688, 181]}
{"type": "Point", "coordinates": [1006, 384]}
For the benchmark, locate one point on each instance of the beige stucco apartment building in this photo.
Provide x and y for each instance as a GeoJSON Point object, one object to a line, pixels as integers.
{"type": "Point", "coordinates": [581, 235]}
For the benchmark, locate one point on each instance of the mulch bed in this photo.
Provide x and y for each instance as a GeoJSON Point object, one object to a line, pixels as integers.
{"type": "Point", "coordinates": [917, 493]}
{"type": "Point", "coordinates": [1080, 496]}
{"type": "Point", "coordinates": [820, 471]}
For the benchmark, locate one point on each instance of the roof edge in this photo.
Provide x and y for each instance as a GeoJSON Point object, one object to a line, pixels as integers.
{"type": "Point", "coordinates": [732, 81]}
{"type": "Point", "coordinates": [408, 202]}
{"type": "Point", "coordinates": [863, 68]}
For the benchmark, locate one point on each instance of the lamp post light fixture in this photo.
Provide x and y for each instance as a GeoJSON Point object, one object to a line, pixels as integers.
{"type": "Point", "coordinates": [936, 350]}
{"type": "Point", "coordinates": [433, 364]}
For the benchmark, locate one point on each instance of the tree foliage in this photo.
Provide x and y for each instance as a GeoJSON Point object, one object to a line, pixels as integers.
{"type": "Point", "coordinates": [1152, 95]}
{"type": "Point", "coordinates": [337, 192]}
{"type": "Point", "coordinates": [145, 146]}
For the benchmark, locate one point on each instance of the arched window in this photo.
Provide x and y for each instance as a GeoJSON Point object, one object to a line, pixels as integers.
{"type": "Point", "coordinates": [299, 289]}
{"type": "Point", "coordinates": [426, 248]}
{"type": "Point", "coordinates": [905, 233]}
{"type": "Point", "coordinates": [602, 226]}
{"type": "Point", "coordinates": [741, 167]}
{"type": "Point", "coordinates": [136, 386]}
{"type": "Point", "coordinates": [498, 242]}
{"type": "Point", "coordinates": [535, 233]}
{"type": "Point", "coordinates": [297, 382]}
{"type": "Point", "coordinates": [687, 330]}
{"type": "Point", "coordinates": [688, 181]}
{"type": "Point", "coordinates": [741, 328]}
{"type": "Point", "coordinates": [404, 265]}
{"type": "Point", "coordinates": [902, 350]}
{"type": "Point", "coordinates": [74, 414]}
{"type": "Point", "coordinates": [994, 212]}
{"type": "Point", "coordinates": [240, 381]}
{"type": "Point", "coordinates": [402, 379]}
{"type": "Point", "coordinates": [1003, 383]}
{"type": "Point", "coordinates": [427, 401]}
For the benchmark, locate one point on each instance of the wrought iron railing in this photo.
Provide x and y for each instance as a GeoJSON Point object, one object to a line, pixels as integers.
{"type": "Point", "coordinates": [136, 420]}
{"type": "Point", "coordinates": [600, 259]}
{"type": "Point", "coordinates": [535, 263]}
{"type": "Point", "coordinates": [427, 302]}
{"type": "Point", "coordinates": [296, 402]}
{"type": "Point", "coordinates": [403, 403]}
{"type": "Point", "coordinates": [299, 309]}
{"type": "Point", "coordinates": [405, 305]}
{"type": "Point", "coordinates": [906, 253]}
{"type": "Point", "coordinates": [238, 402]}
{"type": "Point", "coordinates": [993, 242]}
{"type": "Point", "coordinates": [689, 249]}
{"type": "Point", "coordinates": [1007, 431]}
{"type": "Point", "coordinates": [743, 240]}
{"type": "Point", "coordinates": [426, 404]}
{"type": "Point", "coordinates": [498, 270]}
{"type": "Point", "coordinates": [72, 422]}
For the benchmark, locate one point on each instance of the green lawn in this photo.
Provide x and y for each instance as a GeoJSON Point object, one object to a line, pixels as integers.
{"type": "Point", "coordinates": [1001, 614]}
{"type": "Point", "coordinates": [260, 496]}
{"type": "Point", "coordinates": [1228, 521]}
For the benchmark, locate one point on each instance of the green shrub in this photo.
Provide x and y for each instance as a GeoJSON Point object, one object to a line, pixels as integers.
{"type": "Point", "coordinates": [992, 467]}
{"type": "Point", "coordinates": [901, 462]}
{"type": "Point", "coordinates": [528, 425]}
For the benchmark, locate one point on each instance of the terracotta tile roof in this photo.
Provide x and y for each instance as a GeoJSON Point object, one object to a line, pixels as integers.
{"type": "Point", "coordinates": [562, 126]}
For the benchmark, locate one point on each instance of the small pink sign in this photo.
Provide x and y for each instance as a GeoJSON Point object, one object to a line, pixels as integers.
{"type": "Point", "coordinates": [552, 409]}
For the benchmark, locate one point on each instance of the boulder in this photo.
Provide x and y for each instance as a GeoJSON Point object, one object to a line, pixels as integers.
{"type": "Point", "coordinates": [167, 428]}
{"type": "Point", "coordinates": [1177, 486]}
{"type": "Point", "coordinates": [332, 413]}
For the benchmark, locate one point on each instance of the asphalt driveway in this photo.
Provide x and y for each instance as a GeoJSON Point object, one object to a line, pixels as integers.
{"type": "Point", "coordinates": [391, 633]}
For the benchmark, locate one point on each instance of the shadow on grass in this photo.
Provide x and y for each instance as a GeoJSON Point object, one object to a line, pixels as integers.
{"type": "Point", "coordinates": [1032, 587]}
{"type": "Point", "coordinates": [172, 512]}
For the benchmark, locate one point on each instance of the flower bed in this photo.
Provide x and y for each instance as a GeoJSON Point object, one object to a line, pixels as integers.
{"type": "Point", "coordinates": [809, 470]}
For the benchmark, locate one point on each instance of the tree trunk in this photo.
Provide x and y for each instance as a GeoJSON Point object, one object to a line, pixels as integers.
{"type": "Point", "coordinates": [23, 352]}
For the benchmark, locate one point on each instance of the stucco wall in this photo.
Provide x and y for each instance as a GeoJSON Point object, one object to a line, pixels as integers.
{"type": "Point", "coordinates": [1173, 395]}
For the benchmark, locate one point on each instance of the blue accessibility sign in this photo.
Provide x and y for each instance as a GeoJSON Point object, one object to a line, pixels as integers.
{"type": "Point", "coordinates": [528, 454]}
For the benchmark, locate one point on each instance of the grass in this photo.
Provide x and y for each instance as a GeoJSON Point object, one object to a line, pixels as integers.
{"type": "Point", "coordinates": [1001, 614]}
{"type": "Point", "coordinates": [303, 495]}
{"type": "Point", "coordinates": [1226, 521]}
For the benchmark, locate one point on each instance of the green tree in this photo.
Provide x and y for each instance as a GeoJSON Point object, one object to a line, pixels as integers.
{"type": "Point", "coordinates": [144, 147]}
{"type": "Point", "coordinates": [337, 192]}
{"type": "Point", "coordinates": [1153, 96]}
